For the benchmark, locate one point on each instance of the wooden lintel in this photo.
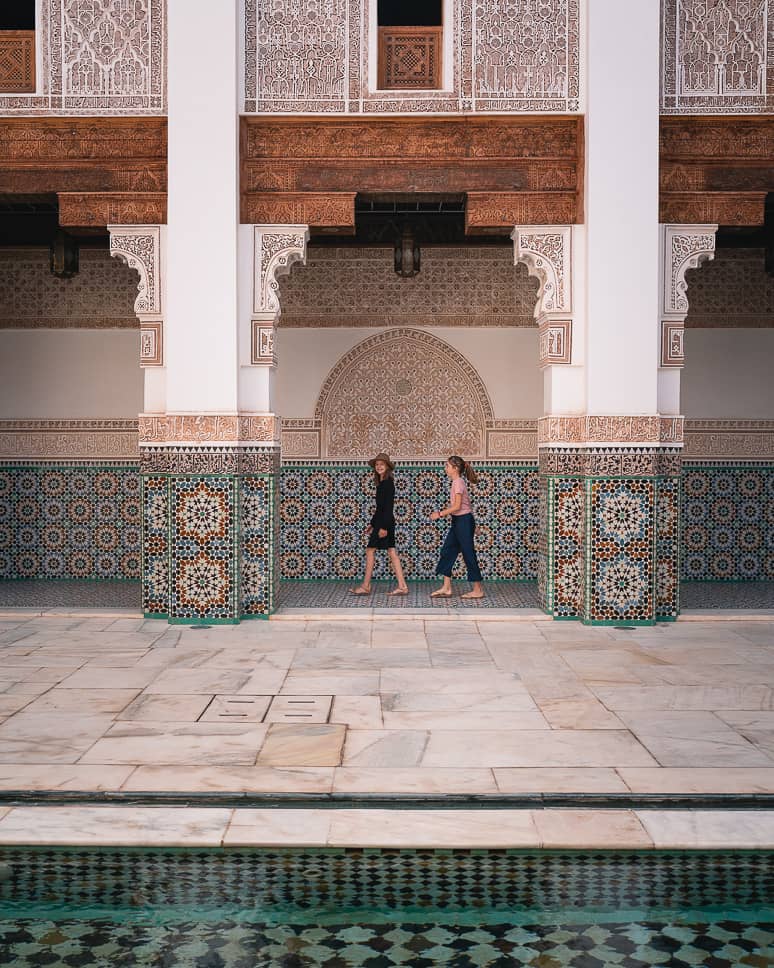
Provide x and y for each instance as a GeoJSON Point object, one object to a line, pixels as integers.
{"type": "Point", "coordinates": [334, 211]}
{"type": "Point", "coordinates": [92, 209]}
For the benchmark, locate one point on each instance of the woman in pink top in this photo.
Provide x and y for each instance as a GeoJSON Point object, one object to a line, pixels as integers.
{"type": "Point", "coordinates": [461, 531]}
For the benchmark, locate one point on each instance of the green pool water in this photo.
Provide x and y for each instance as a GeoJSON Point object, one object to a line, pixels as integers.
{"type": "Point", "coordinates": [376, 908]}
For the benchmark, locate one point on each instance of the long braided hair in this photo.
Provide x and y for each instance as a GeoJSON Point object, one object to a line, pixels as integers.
{"type": "Point", "coordinates": [464, 468]}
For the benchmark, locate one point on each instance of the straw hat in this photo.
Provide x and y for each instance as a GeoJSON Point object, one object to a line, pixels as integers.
{"type": "Point", "coordinates": [382, 457]}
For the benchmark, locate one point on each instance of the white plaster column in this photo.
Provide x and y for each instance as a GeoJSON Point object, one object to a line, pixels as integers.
{"type": "Point", "coordinates": [622, 170]}
{"type": "Point", "coordinates": [203, 207]}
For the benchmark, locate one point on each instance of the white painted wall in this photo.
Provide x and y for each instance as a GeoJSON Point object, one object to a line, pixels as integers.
{"type": "Point", "coordinates": [69, 373]}
{"type": "Point", "coordinates": [506, 360]}
{"type": "Point", "coordinates": [728, 373]}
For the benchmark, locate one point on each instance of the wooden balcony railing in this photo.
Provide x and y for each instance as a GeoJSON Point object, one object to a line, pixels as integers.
{"type": "Point", "coordinates": [410, 58]}
{"type": "Point", "coordinates": [17, 61]}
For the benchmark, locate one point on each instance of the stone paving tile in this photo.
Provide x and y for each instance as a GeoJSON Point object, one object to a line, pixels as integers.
{"type": "Point", "coordinates": [690, 829]}
{"type": "Point", "coordinates": [384, 747]}
{"type": "Point", "coordinates": [619, 829]}
{"type": "Point", "coordinates": [231, 779]}
{"type": "Point", "coordinates": [529, 706]}
{"type": "Point", "coordinates": [299, 745]}
{"type": "Point", "coordinates": [420, 780]}
{"type": "Point", "coordinates": [433, 828]}
{"type": "Point", "coordinates": [115, 826]}
{"type": "Point", "coordinates": [560, 780]}
{"type": "Point", "coordinates": [173, 744]}
{"type": "Point", "coordinates": [679, 738]}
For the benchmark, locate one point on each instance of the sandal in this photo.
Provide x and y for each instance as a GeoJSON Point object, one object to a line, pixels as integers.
{"type": "Point", "coordinates": [440, 593]}
{"type": "Point", "coordinates": [360, 590]}
{"type": "Point", "coordinates": [399, 591]}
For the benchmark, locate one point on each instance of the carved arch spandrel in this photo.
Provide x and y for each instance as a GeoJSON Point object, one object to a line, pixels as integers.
{"type": "Point", "coordinates": [546, 251]}
{"type": "Point", "coordinates": [684, 247]}
{"type": "Point", "coordinates": [407, 392]}
{"type": "Point", "coordinates": [277, 248]}
{"type": "Point", "coordinates": [139, 246]}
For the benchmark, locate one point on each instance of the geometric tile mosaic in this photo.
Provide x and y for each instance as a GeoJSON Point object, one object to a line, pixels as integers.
{"type": "Point", "coordinates": [728, 523]}
{"type": "Point", "coordinates": [667, 547]}
{"type": "Point", "coordinates": [62, 521]}
{"type": "Point", "coordinates": [340, 909]}
{"type": "Point", "coordinates": [569, 519]}
{"type": "Point", "coordinates": [325, 508]}
{"type": "Point", "coordinates": [155, 545]}
{"type": "Point", "coordinates": [621, 543]}
{"type": "Point", "coordinates": [203, 583]}
{"type": "Point", "coordinates": [258, 544]}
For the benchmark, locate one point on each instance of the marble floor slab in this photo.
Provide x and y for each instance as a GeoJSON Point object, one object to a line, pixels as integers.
{"type": "Point", "coordinates": [405, 705]}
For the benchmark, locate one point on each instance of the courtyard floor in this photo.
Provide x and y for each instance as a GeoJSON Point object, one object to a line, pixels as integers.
{"type": "Point", "coordinates": [402, 706]}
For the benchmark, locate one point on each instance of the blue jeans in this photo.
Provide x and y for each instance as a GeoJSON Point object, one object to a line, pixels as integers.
{"type": "Point", "coordinates": [459, 539]}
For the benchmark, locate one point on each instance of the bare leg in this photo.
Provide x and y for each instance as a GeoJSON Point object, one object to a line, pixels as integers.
{"type": "Point", "coordinates": [477, 592]}
{"type": "Point", "coordinates": [402, 588]}
{"type": "Point", "coordinates": [444, 591]}
{"type": "Point", "coordinates": [365, 588]}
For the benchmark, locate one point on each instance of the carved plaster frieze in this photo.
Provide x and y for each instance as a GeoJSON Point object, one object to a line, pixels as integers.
{"type": "Point", "coordinates": [276, 249]}
{"type": "Point", "coordinates": [182, 459]}
{"type": "Point", "coordinates": [69, 439]}
{"type": "Point", "coordinates": [729, 439]}
{"type": "Point", "coordinates": [610, 461]}
{"type": "Point", "coordinates": [596, 430]}
{"type": "Point", "coordinates": [203, 428]}
{"type": "Point", "coordinates": [555, 345]}
{"type": "Point", "coordinates": [684, 247]}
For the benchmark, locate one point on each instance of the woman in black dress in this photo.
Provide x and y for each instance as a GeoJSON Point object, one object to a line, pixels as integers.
{"type": "Point", "coordinates": [381, 530]}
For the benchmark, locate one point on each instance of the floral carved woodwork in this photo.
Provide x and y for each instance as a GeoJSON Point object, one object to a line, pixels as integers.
{"type": "Point", "coordinates": [139, 246]}
{"type": "Point", "coordinates": [17, 61]}
{"type": "Point", "coordinates": [546, 251]}
{"type": "Point", "coordinates": [276, 249]}
{"type": "Point", "coordinates": [392, 391]}
{"type": "Point", "coordinates": [514, 170]}
{"type": "Point", "coordinates": [684, 247]}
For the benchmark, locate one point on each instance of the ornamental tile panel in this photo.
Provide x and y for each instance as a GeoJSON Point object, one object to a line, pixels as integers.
{"type": "Point", "coordinates": [258, 545]}
{"type": "Point", "coordinates": [155, 545]}
{"type": "Point", "coordinates": [203, 583]}
{"type": "Point", "coordinates": [728, 523]}
{"type": "Point", "coordinates": [667, 547]}
{"type": "Point", "coordinates": [620, 548]}
{"type": "Point", "coordinates": [324, 509]}
{"type": "Point", "coordinates": [59, 521]}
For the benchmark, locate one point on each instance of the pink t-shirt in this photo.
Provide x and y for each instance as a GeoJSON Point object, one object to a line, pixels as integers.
{"type": "Point", "coordinates": [459, 486]}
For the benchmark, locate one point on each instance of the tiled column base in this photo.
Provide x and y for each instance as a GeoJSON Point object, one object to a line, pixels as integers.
{"type": "Point", "coordinates": [611, 525]}
{"type": "Point", "coordinates": [209, 540]}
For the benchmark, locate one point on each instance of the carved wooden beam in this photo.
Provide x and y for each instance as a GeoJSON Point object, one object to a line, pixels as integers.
{"type": "Point", "coordinates": [47, 155]}
{"type": "Point", "coordinates": [333, 210]}
{"type": "Point", "coordinates": [716, 169]}
{"type": "Point", "coordinates": [521, 170]}
{"type": "Point", "coordinates": [97, 209]}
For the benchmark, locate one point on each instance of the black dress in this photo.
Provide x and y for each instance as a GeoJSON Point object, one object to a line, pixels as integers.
{"type": "Point", "coordinates": [383, 516]}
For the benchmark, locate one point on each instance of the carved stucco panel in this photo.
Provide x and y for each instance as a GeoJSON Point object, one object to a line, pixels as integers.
{"type": "Point", "coordinates": [103, 56]}
{"type": "Point", "coordinates": [139, 246]}
{"type": "Point", "coordinates": [406, 392]}
{"type": "Point", "coordinates": [716, 57]}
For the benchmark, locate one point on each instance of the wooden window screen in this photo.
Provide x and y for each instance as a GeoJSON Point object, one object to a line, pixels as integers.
{"type": "Point", "coordinates": [410, 58]}
{"type": "Point", "coordinates": [17, 61]}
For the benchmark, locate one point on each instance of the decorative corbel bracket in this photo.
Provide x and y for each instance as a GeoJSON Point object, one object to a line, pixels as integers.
{"type": "Point", "coordinates": [139, 246]}
{"type": "Point", "coordinates": [276, 249]}
{"type": "Point", "coordinates": [546, 250]}
{"type": "Point", "coordinates": [684, 247]}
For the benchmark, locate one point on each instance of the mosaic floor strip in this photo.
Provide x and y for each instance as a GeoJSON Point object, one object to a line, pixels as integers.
{"type": "Point", "coordinates": [335, 594]}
